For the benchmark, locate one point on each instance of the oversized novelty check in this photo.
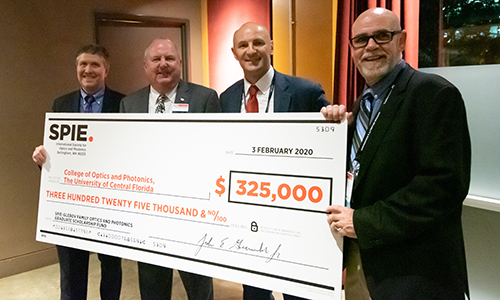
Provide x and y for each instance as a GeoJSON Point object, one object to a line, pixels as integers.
{"type": "Point", "coordinates": [240, 197]}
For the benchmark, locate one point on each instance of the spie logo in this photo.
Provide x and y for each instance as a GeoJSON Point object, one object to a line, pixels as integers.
{"type": "Point", "coordinates": [72, 132]}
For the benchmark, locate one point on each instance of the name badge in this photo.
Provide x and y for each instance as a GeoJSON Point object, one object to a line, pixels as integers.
{"type": "Point", "coordinates": [180, 107]}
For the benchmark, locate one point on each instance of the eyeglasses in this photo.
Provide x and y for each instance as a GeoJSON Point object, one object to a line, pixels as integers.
{"type": "Point", "coordinates": [380, 37]}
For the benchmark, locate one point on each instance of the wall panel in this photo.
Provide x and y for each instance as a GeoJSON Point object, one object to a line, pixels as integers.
{"type": "Point", "coordinates": [39, 42]}
{"type": "Point", "coordinates": [224, 17]}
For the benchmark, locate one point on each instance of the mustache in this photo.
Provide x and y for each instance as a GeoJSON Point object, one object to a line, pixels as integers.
{"type": "Point", "coordinates": [373, 55]}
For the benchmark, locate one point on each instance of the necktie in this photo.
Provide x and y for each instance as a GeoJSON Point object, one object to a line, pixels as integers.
{"type": "Point", "coordinates": [252, 103]}
{"type": "Point", "coordinates": [160, 104]}
{"type": "Point", "coordinates": [88, 106]}
{"type": "Point", "coordinates": [361, 128]}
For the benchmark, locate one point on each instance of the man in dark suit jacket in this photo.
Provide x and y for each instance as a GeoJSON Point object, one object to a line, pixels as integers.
{"type": "Point", "coordinates": [71, 102]}
{"type": "Point", "coordinates": [276, 92]}
{"type": "Point", "coordinates": [291, 94]}
{"type": "Point", "coordinates": [403, 232]}
{"type": "Point", "coordinates": [198, 98]}
{"type": "Point", "coordinates": [167, 93]}
{"type": "Point", "coordinates": [92, 67]}
{"type": "Point", "coordinates": [252, 47]}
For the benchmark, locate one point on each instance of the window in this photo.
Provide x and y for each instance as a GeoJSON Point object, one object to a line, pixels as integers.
{"type": "Point", "coordinates": [459, 33]}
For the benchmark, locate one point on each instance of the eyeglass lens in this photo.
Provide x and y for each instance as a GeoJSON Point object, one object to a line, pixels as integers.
{"type": "Point", "coordinates": [380, 37]}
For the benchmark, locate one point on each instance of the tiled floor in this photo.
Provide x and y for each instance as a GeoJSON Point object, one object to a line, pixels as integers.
{"type": "Point", "coordinates": [43, 284]}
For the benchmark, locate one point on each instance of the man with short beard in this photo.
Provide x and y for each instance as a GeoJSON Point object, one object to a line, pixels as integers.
{"type": "Point", "coordinates": [409, 157]}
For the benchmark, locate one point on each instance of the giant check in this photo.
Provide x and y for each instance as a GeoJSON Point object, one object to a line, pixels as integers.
{"type": "Point", "coordinates": [240, 197]}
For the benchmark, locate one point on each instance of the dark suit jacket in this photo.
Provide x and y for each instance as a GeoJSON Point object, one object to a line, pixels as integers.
{"type": "Point", "coordinates": [155, 282]}
{"type": "Point", "coordinates": [71, 102]}
{"type": "Point", "coordinates": [291, 94]}
{"type": "Point", "coordinates": [73, 263]}
{"type": "Point", "coordinates": [414, 176]}
{"type": "Point", "coordinates": [199, 98]}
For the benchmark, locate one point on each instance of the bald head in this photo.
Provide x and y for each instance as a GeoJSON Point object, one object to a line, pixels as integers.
{"type": "Point", "coordinates": [251, 27]}
{"type": "Point", "coordinates": [160, 42]}
{"type": "Point", "coordinates": [379, 57]}
{"type": "Point", "coordinates": [377, 15]}
{"type": "Point", "coordinates": [252, 47]}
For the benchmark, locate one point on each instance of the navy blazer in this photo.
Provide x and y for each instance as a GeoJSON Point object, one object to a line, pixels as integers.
{"type": "Point", "coordinates": [73, 264]}
{"type": "Point", "coordinates": [291, 94]}
{"type": "Point", "coordinates": [71, 102]}
{"type": "Point", "coordinates": [414, 175]}
{"type": "Point", "coordinates": [200, 99]}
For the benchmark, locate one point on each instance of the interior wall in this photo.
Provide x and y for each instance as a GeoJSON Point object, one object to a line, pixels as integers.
{"type": "Point", "coordinates": [309, 50]}
{"type": "Point", "coordinates": [282, 36]}
{"type": "Point", "coordinates": [315, 42]}
{"type": "Point", "coordinates": [481, 237]}
{"type": "Point", "coordinates": [39, 42]}
{"type": "Point", "coordinates": [313, 39]}
{"type": "Point", "coordinates": [479, 88]}
{"type": "Point", "coordinates": [224, 17]}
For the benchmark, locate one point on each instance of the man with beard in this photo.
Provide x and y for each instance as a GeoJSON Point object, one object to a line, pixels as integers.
{"type": "Point", "coordinates": [409, 170]}
{"type": "Point", "coordinates": [167, 93]}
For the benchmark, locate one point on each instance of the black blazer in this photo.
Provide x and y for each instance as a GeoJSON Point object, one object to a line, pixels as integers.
{"type": "Point", "coordinates": [200, 99]}
{"type": "Point", "coordinates": [291, 94]}
{"type": "Point", "coordinates": [71, 102]}
{"type": "Point", "coordinates": [414, 176]}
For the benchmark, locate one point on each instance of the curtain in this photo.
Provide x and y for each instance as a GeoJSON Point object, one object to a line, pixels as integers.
{"type": "Point", "coordinates": [348, 81]}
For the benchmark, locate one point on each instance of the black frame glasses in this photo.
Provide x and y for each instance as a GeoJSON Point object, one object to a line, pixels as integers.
{"type": "Point", "coordinates": [379, 36]}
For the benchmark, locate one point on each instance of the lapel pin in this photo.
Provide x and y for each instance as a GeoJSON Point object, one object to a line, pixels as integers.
{"type": "Point", "coordinates": [182, 99]}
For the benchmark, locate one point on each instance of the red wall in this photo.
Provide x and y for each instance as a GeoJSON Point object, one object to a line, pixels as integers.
{"type": "Point", "coordinates": [224, 17]}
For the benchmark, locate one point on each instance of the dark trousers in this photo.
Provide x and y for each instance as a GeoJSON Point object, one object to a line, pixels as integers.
{"type": "Point", "coordinates": [155, 283]}
{"type": "Point", "coordinates": [255, 293]}
{"type": "Point", "coordinates": [74, 269]}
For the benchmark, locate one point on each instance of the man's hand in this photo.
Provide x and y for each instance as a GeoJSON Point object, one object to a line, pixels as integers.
{"type": "Point", "coordinates": [340, 221]}
{"type": "Point", "coordinates": [39, 155]}
{"type": "Point", "coordinates": [336, 114]}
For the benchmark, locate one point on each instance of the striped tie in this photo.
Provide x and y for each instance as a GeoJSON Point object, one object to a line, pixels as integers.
{"type": "Point", "coordinates": [361, 127]}
{"type": "Point", "coordinates": [160, 104]}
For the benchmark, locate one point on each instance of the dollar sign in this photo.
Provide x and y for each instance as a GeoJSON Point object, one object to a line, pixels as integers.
{"type": "Point", "coordinates": [219, 185]}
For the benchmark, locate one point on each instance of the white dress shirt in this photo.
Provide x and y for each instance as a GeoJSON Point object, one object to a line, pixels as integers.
{"type": "Point", "coordinates": [169, 103]}
{"type": "Point", "coordinates": [264, 85]}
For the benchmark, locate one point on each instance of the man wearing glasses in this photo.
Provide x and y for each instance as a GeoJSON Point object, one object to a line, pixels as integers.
{"type": "Point", "coordinates": [409, 158]}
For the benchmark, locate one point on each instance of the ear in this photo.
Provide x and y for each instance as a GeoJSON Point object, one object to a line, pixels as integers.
{"type": "Point", "coordinates": [272, 48]}
{"type": "Point", "coordinates": [106, 66]}
{"type": "Point", "coordinates": [234, 53]}
{"type": "Point", "coordinates": [402, 41]}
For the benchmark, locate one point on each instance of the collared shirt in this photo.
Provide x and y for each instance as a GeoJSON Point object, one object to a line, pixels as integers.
{"type": "Point", "coordinates": [380, 90]}
{"type": "Point", "coordinates": [96, 105]}
{"type": "Point", "coordinates": [169, 103]}
{"type": "Point", "coordinates": [264, 85]}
